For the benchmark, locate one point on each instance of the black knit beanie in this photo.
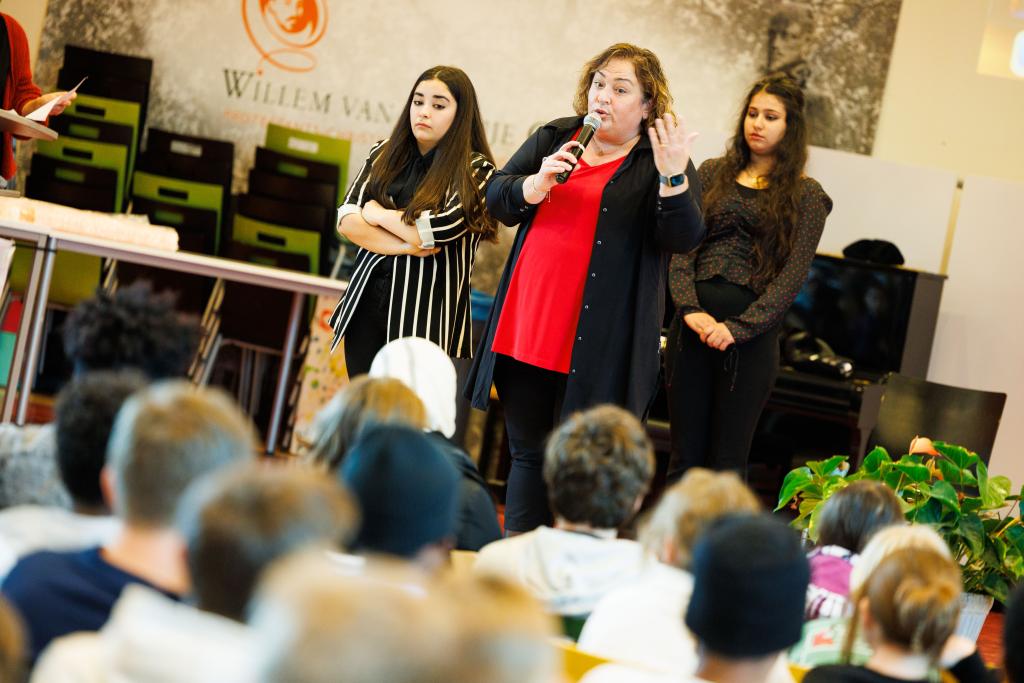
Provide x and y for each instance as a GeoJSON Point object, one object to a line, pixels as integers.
{"type": "Point", "coordinates": [407, 489]}
{"type": "Point", "coordinates": [750, 583]}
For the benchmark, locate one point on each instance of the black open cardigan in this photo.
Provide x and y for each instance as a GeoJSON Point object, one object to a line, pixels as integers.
{"type": "Point", "coordinates": [615, 358]}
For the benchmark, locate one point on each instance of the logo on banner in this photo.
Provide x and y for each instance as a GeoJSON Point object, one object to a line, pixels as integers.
{"type": "Point", "coordinates": [283, 31]}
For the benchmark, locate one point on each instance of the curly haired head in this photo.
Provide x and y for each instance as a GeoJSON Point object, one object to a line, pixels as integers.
{"type": "Point", "coordinates": [132, 328]}
{"type": "Point", "coordinates": [597, 465]}
{"type": "Point", "coordinates": [648, 72]}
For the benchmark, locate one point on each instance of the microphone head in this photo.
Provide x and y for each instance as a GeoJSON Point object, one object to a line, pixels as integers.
{"type": "Point", "coordinates": [592, 120]}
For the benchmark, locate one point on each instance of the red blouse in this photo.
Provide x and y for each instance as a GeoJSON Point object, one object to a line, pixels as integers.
{"type": "Point", "coordinates": [19, 90]}
{"type": "Point", "coordinates": [542, 307]}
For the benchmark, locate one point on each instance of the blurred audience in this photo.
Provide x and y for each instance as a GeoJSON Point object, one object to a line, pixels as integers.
{"type": "Point", "coordinates": [163, 439]}
{"type": "Point", "coordinates": [597, 467]}
{"type": "Point", "coordinates": [85, 413]}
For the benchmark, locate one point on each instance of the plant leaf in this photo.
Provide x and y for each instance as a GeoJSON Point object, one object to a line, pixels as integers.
{"type": "Point", "coordinates": [915, 472]}
{"type": "Point", "coordinates": [962, 457]}
{"type": "Point", "coordinates": [825, 468]}
{"type": "Point", "coordinates": [873, 460]}
{"type": "Point", "coordinates": [954, 474]}
{"type": "Point", "coordinates": [997, 587]}
{"type": "Point", "coordinates": [993, 491]}
{"type": "Point", "coordinates": [973, 532]}
{"type": "Point", "coordinates": [945, 494]}
{"type": "Point", "coordinates": [793, 484]}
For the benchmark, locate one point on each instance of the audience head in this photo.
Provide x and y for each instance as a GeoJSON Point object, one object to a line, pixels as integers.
{"type": "Point", "coordinates": [597, 466]}
{"type": "Point", "coordinates": [852, 514]}
{"type": "Point", "coordinates": [132, 328]}
{"type": "Point", "coordinates": [750, 581]}
{"type": "Point", "coordinates": [688, 508]}
{"type": "Point", "coordinates": [424, 367]}
{"type": "Point", "coordinates": [12, 644]}
{"type": "Point", "coordinates": [316, 626]}
{"type": "Point", "coordinates": [504, 635]}
{"type": "Point", "coordinates": [236, 522]}
{"type": "Point", "coordinates": [912, 601]}
{"type": "Point", "coordinates": [85, 413]}
{"type": "Point", "coordinates": [1013, 637]}
{"type": "Point", "coordinates": [408, 493]}
{"type": "Point", "coordinates": [364, 401]}
{"type": "Point", "coordinates": [888, 540]}
{"type": "Point", "coordinates": [164, 438]}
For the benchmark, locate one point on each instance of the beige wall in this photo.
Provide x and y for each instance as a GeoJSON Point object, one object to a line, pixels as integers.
{"type": "Point", "coordinates": [937, 110]}
{"type": "Point", "coordinates": [30, 14]}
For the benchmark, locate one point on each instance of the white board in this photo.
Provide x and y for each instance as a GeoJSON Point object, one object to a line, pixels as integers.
{"type": "Point", "coordinates": [978, 339]}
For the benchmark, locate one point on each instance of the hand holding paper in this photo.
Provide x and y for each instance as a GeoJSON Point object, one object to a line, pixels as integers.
{"type": "Point", "coordinates": [52, 101]}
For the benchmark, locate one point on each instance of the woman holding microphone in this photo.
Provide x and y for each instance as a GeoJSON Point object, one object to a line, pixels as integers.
{"type": "Point", "coordinates": [577, 315]}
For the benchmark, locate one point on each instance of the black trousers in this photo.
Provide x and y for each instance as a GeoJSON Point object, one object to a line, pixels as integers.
{"type": "Point", "coordinates": [367, 332]}
{"type": "Point", "coordinates": [715, 398]}
{"type": "Point", "coordinates": [532, 400]}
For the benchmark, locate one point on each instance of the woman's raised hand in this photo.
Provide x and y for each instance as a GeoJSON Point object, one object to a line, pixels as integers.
{"type": "Point", "coordinates": [671, 143]}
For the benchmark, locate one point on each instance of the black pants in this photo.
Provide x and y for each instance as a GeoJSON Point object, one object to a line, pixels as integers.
{"type": "Point", "coordinates": [715, 398]}
{"type": "Point", "coordinates": [532, 399]}
{"type": "Point", "coordinates": [367, 332]}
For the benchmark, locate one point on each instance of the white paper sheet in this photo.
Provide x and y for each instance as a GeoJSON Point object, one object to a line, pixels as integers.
{"type": "Point", "coordinates": [43, 112]}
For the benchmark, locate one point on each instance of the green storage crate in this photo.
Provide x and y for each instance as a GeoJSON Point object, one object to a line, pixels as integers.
{"type": "Point", "coordinates": [113, 111]}
{"type": "Point", "coordinates": [279, 238]}
{"type": "Point", "coordinates": [313, 146]}
{"type": "Point", "coordinates": [75, 276]}
{"type": "Point", "coordinates": [89, 153]}
{"type": "Point", "coordinates": [182, 193]}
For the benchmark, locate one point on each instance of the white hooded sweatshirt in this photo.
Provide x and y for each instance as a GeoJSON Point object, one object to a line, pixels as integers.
{"type": "Point", "coordinates": [567, 570]}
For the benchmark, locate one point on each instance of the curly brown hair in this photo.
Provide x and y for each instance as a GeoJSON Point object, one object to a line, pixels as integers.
{"type": "Point", "coordinates": [648, 72]}
{"type": "Point", "coordinates": [597, 464]}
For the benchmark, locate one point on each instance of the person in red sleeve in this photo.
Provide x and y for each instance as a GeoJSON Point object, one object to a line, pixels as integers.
{"type": "Point", "coordinates": [20, 93]}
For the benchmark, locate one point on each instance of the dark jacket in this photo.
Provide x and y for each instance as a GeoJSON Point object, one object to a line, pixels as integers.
{"type": "Point", "coordinates": [478, 519]}
{"type": "Point", "coordinates": [615, 358]}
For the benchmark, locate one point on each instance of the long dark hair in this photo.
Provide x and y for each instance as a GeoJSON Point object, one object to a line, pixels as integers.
{"type": "Point", "coordinates": [773, 241]}
{"type": "Point", "coordinates": [451, 166]}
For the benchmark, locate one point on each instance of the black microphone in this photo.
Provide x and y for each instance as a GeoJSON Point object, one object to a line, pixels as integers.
{"type": "Point", "coordinates": [590, 125]}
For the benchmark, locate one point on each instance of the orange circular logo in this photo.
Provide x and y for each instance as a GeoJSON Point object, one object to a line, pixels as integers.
{"type": "Point", "coordinates": [283, 30]}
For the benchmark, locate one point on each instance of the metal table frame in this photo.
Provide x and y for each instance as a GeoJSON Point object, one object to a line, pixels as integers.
{"type": "Point", "coordinates": [49, 242]}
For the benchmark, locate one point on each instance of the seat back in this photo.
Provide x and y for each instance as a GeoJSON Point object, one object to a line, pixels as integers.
{"type": "Point", "coordinates": [915, 407]}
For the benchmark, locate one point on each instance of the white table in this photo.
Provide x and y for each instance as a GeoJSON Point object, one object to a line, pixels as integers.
{"type": "Point", "coordinates": [300, 284]}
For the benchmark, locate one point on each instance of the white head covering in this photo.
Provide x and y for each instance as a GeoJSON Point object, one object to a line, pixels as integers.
{"type": "Point", "coordinates": [426, 369]}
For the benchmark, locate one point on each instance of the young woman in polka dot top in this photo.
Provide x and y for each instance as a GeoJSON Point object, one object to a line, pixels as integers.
{"type": "Point", "coordinates": [764, 219]}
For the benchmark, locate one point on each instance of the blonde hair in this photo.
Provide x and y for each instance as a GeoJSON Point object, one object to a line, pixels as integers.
{"type": "Point", "coordinates": [649, 74]}
{"type": "Point", "coordinates": [504, 635]}
{"type": "Point", "coordinates": [310, 618]}
{"type": "Point", "coordinates": [914, 597]}
{"type": "Point", "coordinates": [365, 401]}
{"type": "Point", "coordinates": [689, 506]}
{"type": "Point", "coordinates": [12, 644]}
{"type": "Point", "coordinates": [887, 541]}
{"type": "Point", "coordinates": [167, 436]}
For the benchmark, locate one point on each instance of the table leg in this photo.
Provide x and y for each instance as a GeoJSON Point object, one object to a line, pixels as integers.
{"type": "Point", "coordinates": [35, 341]}
{"type": "Point", "coordinates": [24, 329]}
{"type": "Point", "coordinates": [298, 299]}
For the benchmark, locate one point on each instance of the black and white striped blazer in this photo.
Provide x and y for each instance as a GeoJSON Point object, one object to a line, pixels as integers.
{"type": "Point", "coordinates": [429, 295]}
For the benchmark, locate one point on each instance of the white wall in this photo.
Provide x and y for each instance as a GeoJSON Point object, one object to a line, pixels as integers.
{"type": "Point", "coordinates": [30, 14]}
{"type": "Point", "coordinates": [937, 110]}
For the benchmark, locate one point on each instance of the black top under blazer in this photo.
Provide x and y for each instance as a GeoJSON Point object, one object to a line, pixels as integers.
{"type": "Point", "coordinates": [616, 355]}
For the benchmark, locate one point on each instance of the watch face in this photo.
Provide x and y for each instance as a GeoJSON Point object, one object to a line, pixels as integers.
{"type": "Point", "coordinates": [673, 181]}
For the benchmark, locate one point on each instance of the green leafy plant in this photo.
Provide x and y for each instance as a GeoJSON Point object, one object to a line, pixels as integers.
{"type": "Point", "coordinates": [951, 490]}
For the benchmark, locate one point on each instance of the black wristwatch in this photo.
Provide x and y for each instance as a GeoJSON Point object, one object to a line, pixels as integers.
{"type": "Point", "coordinates": [673, 181]}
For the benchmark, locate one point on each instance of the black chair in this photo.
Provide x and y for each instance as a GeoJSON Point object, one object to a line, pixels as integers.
{"type": "Point", "coordinates": [288, 188]}
{"type": "Point", "coordinates": [910, 407]}
{"type": "Point", "coordinates": [175, 155]}
{"type": "Point", "coordinates": [70, 193]}
{"type": "Point", "coordinates": [284, 164]}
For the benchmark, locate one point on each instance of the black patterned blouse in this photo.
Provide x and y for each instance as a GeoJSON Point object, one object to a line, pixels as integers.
{"type": "Point", "coordinates": [727, 252]}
